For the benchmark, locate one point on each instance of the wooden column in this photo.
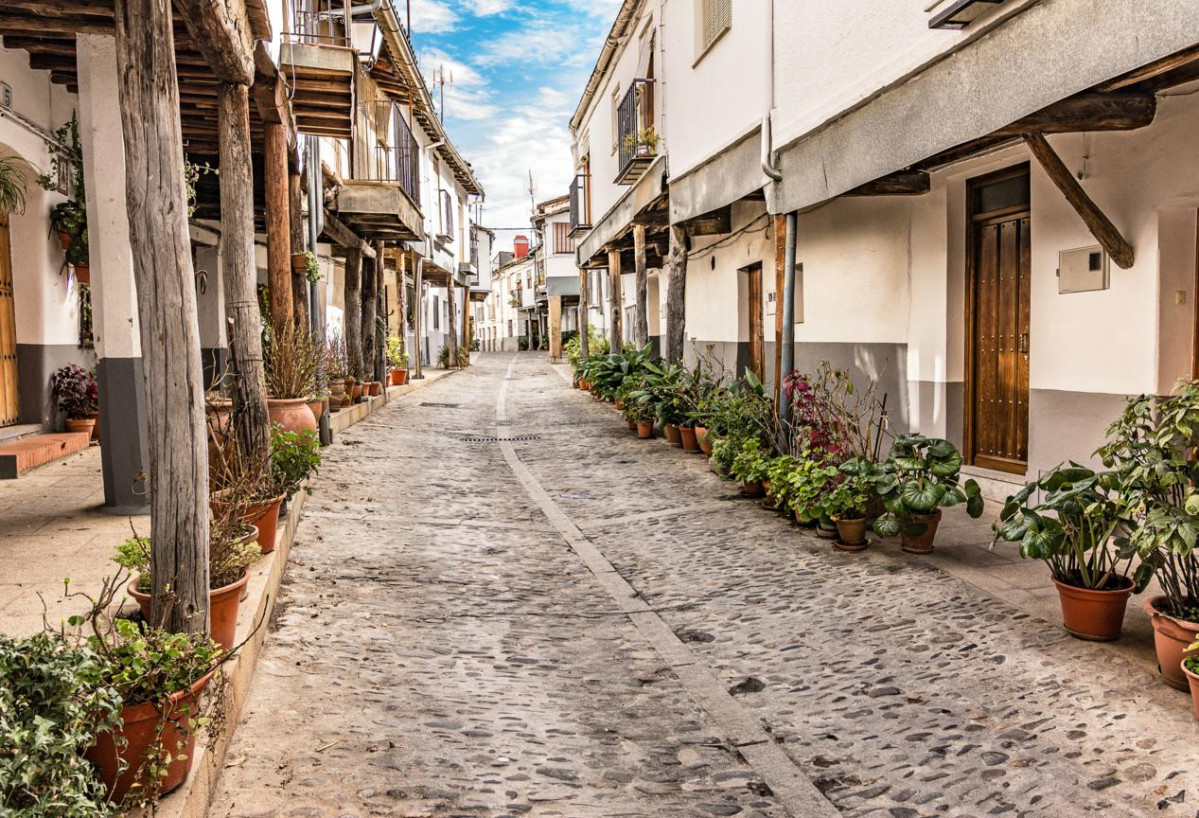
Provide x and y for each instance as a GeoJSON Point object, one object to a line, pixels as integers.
{"type": "Point", "coordinates": [418, 320]}
{"type": "Point", "coordinates": [278, 221]}
{"type": "Point", "coordinates": [555, 330]}
{"type": "Point", "coordinates": [616, 336]}
{"type": "Point", "coordinates": [451, 329]}
{"type": "Point", "coordinates": [238, 270]}
{"type": "Point", "coordinates": [166, 295]}
{"type": "Point", "coordinates": [380, 329]}
{"type": "Point", "coordinates": [466, 321]}
{"type": "Point", "coordinates": [780, 262]}
{"type": "Point", "coordinates": [352, 323]}
{"type": "Point", "coordinates": [676, 294]}
{"type": "Point", "coordinates": [370, 278]}
{"type": "Point", "coordinates": [299, 280]}
{"type": "Point", "coordinates": [1095, 219]}
{"type": "Point", "coordinates": [641, 331]}
{"type": "Point", "coordinates": [584, 318]}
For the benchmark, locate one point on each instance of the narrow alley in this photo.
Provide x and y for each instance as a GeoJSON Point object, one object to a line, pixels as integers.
{"type": "Point", "coordinates": [501, 603]}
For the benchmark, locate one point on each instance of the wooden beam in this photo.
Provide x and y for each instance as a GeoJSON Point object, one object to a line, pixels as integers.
{"type": "Point", "coordinates": [641, 330]}
{"type": "Point", "coordinates": [615, 326]}
{"type": "Point", "coordinates": [1096, 221]}
{"type": "Point", "coordinates": [23, 24]}
{"type": "Point", "coordinates": [1152, 70]}
{"type": "Point", "coordinates": [584, 312]}
{"type": "Point", "coordinates": [901, 183]}
{"type": "Point", "coordinates": [221, 31]}
{"type": "Point", "coordinates": [652, 218]}
{"type": "Point", "coordinates": [278, 223]}
{"type": "Point", "coordinates": [676, 295]}
{"type": "Point", "coordinates": [167, 314]}
{"type": "Point", "coordinates": [340, 233]}
{"type": "Point", "coordinates": [1088, 112]}
{"type": "Point", "coordinates": [352, 319]}
{"type": "Point", "coordinates": [717, 222]}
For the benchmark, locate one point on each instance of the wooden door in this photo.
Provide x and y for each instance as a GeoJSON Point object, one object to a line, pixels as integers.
{"type": "Point", "coordinates": [9, 397]}
{"type": "Point", "coordinates": [753, 306]}
{"type": "Point", "coordinates": [997, 425]}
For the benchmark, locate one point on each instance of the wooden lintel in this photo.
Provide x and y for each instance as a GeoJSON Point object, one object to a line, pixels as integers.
{"type": "Point", "coordinates": [1153, 70]}
{"type": "Point", "coordinates": [1088, 112]}
{"type": "Point", "coordinates": [337, 230]}
{"type": "Point", "coordinates": [221, 31]}
{"type": "Point", "coordinates": [900, 183]}
{"type": "Point", "coordinates": [653, 218]}
{"type": "Point", "coordinates": [1096, 221]}
{"type": "Point", "coordinates": [711, 224]}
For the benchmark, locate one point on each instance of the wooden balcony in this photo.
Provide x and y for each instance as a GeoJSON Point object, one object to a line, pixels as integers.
{"type": "Point", "coordinates": [637, 139]}
{"type": "Point", "coordinates": [322, 78]}
{"type": "Point", "coordinates": [379, 211]}
{"type": "Point", "coordinates": [580, 204]}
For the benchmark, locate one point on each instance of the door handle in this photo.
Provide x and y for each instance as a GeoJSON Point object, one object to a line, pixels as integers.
{"type": "Point", "coordinates": [1024, 343]}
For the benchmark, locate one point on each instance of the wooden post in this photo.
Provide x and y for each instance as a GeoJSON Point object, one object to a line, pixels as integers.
{"type": "Point", "coordinates": [555, 330]}
{"type": "Point", "coordinates": [466, 322]}
{"type": "Point", "coordinates": [299, 280]}
{"type": "Point", "coordinates": [278, 222]}
{"type": "Point", "coordinates": [380, 326]}
{"type": "Point", "coordinates": [780, 262]}
{"type": "Point", "coordinates": [370, 277]}
{"type": "Point", "coordinates": [451, 329]}
{"type": "Point", "coordinates": [676, 294]}
{"type": "Point", "coordinates": [352, 326]}
{"type": "Point", "coordinates": [584, 318]}
{"type": "Point", "coordinates": [402, 298]}
{"type": "Point", "coordinates": [616, 333]}
{"type": "Point", "coordinates": [239, 271]}
{"type": "Point", "coordinates": [418, 321]}
{"type": "Point", "coordinates": [1096, 221]}
{"type": "Point", "coordinates": [641, 331]}
{"type": "Point", "coordinates": [166, 295]}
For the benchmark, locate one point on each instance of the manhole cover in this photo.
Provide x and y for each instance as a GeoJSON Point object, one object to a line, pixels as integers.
{"type": "Point", "coordinates": [513, 439]}
{"type": "Point", "coordinates": [441, 405]}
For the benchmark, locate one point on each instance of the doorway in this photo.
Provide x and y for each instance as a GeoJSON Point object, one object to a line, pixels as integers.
{"type": "Point", "coordinates": [997, 331]}
{"type": "Point", "coordinates": [753, 320]}
{"type": "Point", "coordinates": [9, 396]}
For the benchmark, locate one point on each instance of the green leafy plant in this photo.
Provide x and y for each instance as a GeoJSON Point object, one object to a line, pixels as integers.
{"type": "Point", "coordinates": [192, 172]}
{"type": "Point", "coordinates": [14, 184]}
{"type": "Point", "coordinates": [1073, 528]}
{"type": "Point", "coordinates": [850, 496]}
{"type": "Point", "coordinates": [1150, 449]}
{"type": "Point", "coordinates": [397, 357]}
{"type": "Point", "coordinates": [751, 463]}
{"type": "Point", "coordinates": [295, 456]}
{"type": "Point", "coordinates": [312, 268]}
{"type": "Point", "coordinates": [805, 487]}
{"type": "Point", "coordinates": [66, 165]}
{"type": "Point", "coordinates": [55, 697]}
{"type": "Point", "coordinates": [921, 476]}
{"type": "Point", "coordinates": [443, 357]}
{"type": "Point", "coordinates": [1191, 659]}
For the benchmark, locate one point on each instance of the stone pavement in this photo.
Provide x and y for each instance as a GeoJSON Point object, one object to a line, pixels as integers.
{"type": "Point", "coordinates": [452, 641]}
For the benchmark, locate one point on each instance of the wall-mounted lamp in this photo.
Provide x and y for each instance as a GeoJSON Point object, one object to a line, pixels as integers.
{"type": "Point", "coordinates": [961, 13]}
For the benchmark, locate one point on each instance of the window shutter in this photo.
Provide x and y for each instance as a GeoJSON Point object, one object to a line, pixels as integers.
{"type": "Point", "coordinates": [718, 16]}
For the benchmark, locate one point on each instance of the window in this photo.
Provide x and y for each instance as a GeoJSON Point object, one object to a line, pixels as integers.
{"type": "Point", "coordinates": [713, 18]}
{"type": "Point", "coordinates": [563, 243]}
{"type": "Point", "coordinates": [436, 313]}
{"type": "Point", "coordinates": [615, 118]}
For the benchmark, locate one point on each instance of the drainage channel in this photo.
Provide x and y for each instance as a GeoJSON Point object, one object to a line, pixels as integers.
{"type": "Point", "coordinates": [740, 726]}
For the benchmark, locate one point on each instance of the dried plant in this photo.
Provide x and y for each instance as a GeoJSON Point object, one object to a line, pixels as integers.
{"type": "Point", "coordinates": [294, 361]}
{"type": "Point", "coordinates": [337, 363]}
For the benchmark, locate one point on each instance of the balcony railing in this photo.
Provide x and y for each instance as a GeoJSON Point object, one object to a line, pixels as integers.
{"type": "Point", "coordinates": [580, 204]}
{"type": "Point", "coordinates": [637, 144]}
{"type": "Point", "coordinates": [320, 22]}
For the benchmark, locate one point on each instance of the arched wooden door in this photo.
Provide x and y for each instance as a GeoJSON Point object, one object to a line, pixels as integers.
{"type": "Point", "coordinates": [9, 397]}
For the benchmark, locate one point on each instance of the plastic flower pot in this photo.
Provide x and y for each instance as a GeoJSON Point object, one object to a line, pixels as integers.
{"type": "Point", "coordinates": [1094, 615]}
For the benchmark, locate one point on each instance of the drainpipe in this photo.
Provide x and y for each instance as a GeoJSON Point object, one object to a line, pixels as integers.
{"type": "Point", "coordinates": [768, 167]}
{"type": "Point", "coordinates": [316, 223]}
{"type": "Point", "coordinates": [788, 339]}
{"type": "Point", "coordinates": [418, 319]}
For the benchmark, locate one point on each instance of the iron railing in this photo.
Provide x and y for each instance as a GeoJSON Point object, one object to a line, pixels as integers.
{"type": "Point", "coordinates": [394, 159]}
{"type": "Point", "coordinates": [637, 140]}
{"type": "Point", "coordinates": [320, 22]}
{"type": "Point", "coordinates": [580, 202]}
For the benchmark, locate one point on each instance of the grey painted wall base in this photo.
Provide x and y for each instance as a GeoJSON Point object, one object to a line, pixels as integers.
{"type": "Point", "coordinates": [1068, 426]}
{"type": "Point", "coordinates": [35, 364]}
{"type": "Point", "coordinates": [214, 359]}
{"type": "Point", "coordinates": [124, 448]}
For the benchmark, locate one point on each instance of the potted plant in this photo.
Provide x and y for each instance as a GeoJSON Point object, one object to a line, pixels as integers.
{"type": "Point", "coordinates": [806, 486]}
{"type": "Point", "coordinates": [750, 466]}
{"type": "Point", "coordinates": [1190, 668]}
{"type": "Point", "coordinates": [846, 503]}
{"type": "Point", "coordinates": [1151, 448]}
{"type": "Point", "coordinates": [337, 370]}
{"type": "Point", "coordinates": [78, 397]}
{"type": "Point", "coordinates": [248, 487]}
{"type": "Point", "coordinates": [14, 185]}
{"type": "Point", "coordinates": [397, 360]}
{"type": "Point", "coordinates": [294, 361]}
{"type": "Point", "coordinates": [1074, 528]}
{"type": "Point", "coordinates": [233, 548]}
{"type": "Point", "coordinates": [69, 218]}
{"type": "Point", "coordinates": [54, 703]}
{"type": "Point", "coordinates": [921, 477]}
{"type": "Point", "coordinates": [295, 456]}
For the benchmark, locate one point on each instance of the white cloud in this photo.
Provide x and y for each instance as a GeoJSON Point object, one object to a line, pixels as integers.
{"type": "Point", "coordinates": [484, 8]}
{"type": "Point", "coordinates": [539, 43]}
{"type": "Point", "coordinates": [433, 17]}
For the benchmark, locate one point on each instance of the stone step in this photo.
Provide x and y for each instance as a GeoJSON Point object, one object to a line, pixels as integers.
{"type": "Point", "coordinates": [22, 455]}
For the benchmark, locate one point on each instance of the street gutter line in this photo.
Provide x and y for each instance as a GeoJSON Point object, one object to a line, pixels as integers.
{"type": "Point", "coordinates": [742, 728]}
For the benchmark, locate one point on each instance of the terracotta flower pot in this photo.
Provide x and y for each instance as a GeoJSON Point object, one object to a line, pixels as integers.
{"type": "Point", "coordinates": [851, 533]}
{"type": "Point", "coordinates": [64, 240]}
{"type": "Point", "coordinates": [701, 437]}
{"type": "Point", "coordinates": [584, 386]}
{"type": "Point", "coordinates": [399, 377]}
{"type": "Point", "coordinates": [317, 407]}
{"type": "Point", "coordinates": [1171, 637]}
{"type": "Point", "coordinates": [645, 429]}
{"type": "Point", "coordinates": [753, 489]}
{"type": "Point", "coordinates": [632, 424]}
{"type": "Point", "coordinates": [144, 725]}
{"type": "Point", "coordinates": [83, 273]}
{"type": "Point", "coordinates": [921, 543]}
{"type": "Point", "coordinates": [1097, 616]}
{"type": "Point", "coordinates": [299, 263]}
{"type": "Point", "coordinates": [264, 516]}
{"type": "Point", "coordinates": [690, 444]}
{"type": "Point", "coordinates": [375, 387]}
{"type": "Point", "coordinates": [223, 604]}
{"type": "Point", "coordinates": [356, 392]}
{"type": "Point", "coordinates": [95, 429]}
{"type": "Point", "coordinates": [1193, 681]}
{"type": "Point", "coordinates": [619, 405]}
{"type": "Point", "coordinates": [292, 414]}
{"type": "Point", "coordinates": [826, 531]}
{"type": "Point", "coordinates": [82, 425]}
{"type": "Point", "coordinates": [337, 388]}
{"type": "Point", "coordinates": [673, 435]}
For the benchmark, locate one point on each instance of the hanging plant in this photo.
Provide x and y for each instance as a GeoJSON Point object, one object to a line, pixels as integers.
{"type": "Point", "coordinates": [68, 218]}
{"type": "Point", "coordinates": [14, 184]}
{"type": "Point", "coordinates": [312, 268]}
{"type": "Point", "coordinates": [191, 175]}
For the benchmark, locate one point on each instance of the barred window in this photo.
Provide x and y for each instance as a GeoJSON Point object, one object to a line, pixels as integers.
{"type": "Point", "coordinates": [563, 243]}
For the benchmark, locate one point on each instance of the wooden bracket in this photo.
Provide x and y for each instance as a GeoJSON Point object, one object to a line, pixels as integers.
{"type": "Point", "coordinates": [1096, 221]}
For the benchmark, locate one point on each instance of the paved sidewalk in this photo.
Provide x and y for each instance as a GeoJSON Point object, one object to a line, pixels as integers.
{"type": "Point", "coordinates": [452, 640]}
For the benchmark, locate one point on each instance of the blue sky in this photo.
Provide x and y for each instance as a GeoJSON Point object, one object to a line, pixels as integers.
{"type": "Point", "coordinates": [518, 70]}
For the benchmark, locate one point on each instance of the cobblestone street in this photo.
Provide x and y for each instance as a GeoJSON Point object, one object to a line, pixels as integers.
{"type": "Point", "coordinates": [576, 623]}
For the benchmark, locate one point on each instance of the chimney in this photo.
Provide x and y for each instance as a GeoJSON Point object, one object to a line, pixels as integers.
{"type": "Point", "coordinates": [520, 245]}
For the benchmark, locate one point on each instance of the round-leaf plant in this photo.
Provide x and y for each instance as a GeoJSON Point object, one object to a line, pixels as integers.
{"type": "Point", "coordinates": [920, 477]}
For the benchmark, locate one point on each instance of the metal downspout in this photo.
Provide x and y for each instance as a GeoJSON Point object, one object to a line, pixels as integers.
{"type": "Point", "coordinates": [788, 340]}
{"type": "Point", "coordinates": [316, 218]}
{"type": "Point", "coordinates": [418, 318]}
